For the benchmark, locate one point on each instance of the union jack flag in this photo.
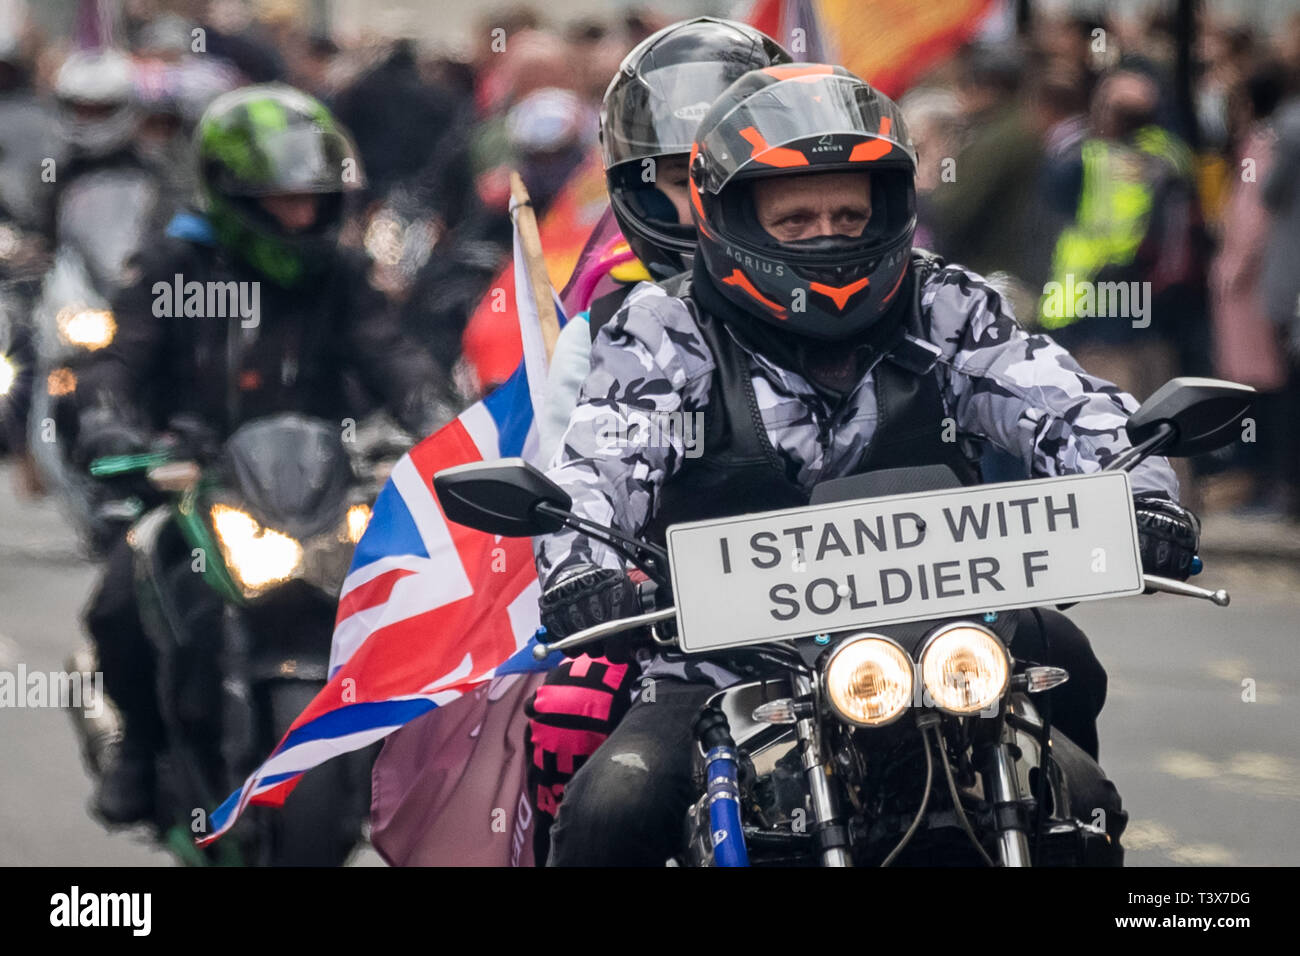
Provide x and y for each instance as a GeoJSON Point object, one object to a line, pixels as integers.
{"type": "Point", "coordinates": [429, 609]}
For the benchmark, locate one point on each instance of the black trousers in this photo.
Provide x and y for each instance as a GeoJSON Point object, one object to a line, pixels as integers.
{"type": "Point", "coordinates": [125, 655]}
{"type": "Point", "coordinates": [1049, 637]}
{"type": "Point", "coordinates": [627, 804]}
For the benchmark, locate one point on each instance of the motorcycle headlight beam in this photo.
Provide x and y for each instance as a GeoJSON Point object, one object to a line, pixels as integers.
{"type": "Point", "coordinates": [357, 518]}
{"type": "Point", "coordinates": [8, 375]}
{"type": "Point", "coordinates": [965, 668]}
{"type": "Point", "coordinates": [869, 680]}
{"type": "Point", "coordinates": [60, 382]}
{"type": "Point", "coordinates": [90, 329]}
{"type": "Point", "coordinates": [258, 557]}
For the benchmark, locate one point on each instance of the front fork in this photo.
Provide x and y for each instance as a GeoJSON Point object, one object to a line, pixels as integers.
{"type": "Point", "coordinates": [828, 828]}
{"type": "Point", "coordinates": [1004, 793]}
{"type": "Point", "coordinates": [723, 792]}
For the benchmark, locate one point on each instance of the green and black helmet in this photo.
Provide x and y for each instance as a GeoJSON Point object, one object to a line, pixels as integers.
{"type": "Point", "coordinates": [273, 140]}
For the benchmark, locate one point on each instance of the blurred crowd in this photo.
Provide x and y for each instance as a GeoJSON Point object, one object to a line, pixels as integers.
{"type": "Point", "coordinates": [1081, 153]}
{"type": "Point", "coordinates": [438, 130]}
{"type": "Point", "coordinates": [1074, 150]}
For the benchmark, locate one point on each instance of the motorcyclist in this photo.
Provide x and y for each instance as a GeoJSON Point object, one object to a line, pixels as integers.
{"type": "Point", "coordinates": [648, 119]}
{"type": "Point", "coordinates": [274, 168]}
{"type": "Point", "coordinates": [25, 138]}
{"type": "Point", "coordinates": [98, 118]}
{"type": "Point", "coordinates": [852, 351]}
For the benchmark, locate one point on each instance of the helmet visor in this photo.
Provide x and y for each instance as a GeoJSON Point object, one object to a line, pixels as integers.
{"type": "Point", "coordinates": [302, 158]}
{"type": "Point", "coordinates": [827, 123]}
{"type": "Point", "coordinates": [659, 111]}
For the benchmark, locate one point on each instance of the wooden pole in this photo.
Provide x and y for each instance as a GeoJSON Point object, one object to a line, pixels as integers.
{"type": "Point", "coordinates": [531, 242]}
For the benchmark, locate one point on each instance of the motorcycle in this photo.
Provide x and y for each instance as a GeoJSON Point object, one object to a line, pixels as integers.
{"type": "Point", "coordinates": [72, 319]}
{"type": "Point", "coordinates": [15, 368]}
{"type": "Point", "coordinates": [887, 726]}
{"type": "Point", "coordinates": [238, 572]}
{"type": "Point", "coordinates": [24, 257]}
{"type": "Point", "coordinates": [22, 260]}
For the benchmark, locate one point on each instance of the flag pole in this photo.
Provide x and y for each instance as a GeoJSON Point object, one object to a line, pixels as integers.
{"type": "Point", "coordinates": [531, 243]}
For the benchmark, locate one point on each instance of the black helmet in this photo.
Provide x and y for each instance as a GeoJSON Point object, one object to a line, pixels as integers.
{"type": "Point", "coordinates": [796, 120]}
{"type": "Point", "coordinates": [662, 90]}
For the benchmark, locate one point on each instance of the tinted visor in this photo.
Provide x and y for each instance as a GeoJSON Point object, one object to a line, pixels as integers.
{"type": "Point", "coordinates": [636, 185]}
{"type": "Point", "coordinates": [658, 111]}
{"type": "Point", "coordinates": [809, 121]}
{"type": "Point", "coordinates": [302, 158]}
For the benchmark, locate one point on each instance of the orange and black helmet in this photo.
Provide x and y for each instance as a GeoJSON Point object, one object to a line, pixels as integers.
{"type": "Point", "coordinates": [799, 120]}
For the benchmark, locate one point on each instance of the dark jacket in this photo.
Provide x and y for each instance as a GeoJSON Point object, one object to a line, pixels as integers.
{"type": "Point", "coordinates": [317, 349]}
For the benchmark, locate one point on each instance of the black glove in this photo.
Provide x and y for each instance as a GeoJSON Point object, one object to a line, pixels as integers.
{"type": "Point", "coordinates": [1168, 535]}
{"type": "Point", "coordinates": [585, 598]}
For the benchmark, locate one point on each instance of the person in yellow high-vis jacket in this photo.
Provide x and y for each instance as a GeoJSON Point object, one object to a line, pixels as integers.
{"type": "Point", "coordinates": [1116, 201]}
{"type": "Point", "coordinates": [1132, 252]}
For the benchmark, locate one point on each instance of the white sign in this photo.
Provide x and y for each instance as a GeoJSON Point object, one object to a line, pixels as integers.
{"type": "Point", "coordinates": [825, 568]}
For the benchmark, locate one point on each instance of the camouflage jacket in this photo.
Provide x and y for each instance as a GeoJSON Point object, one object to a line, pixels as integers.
{"type": "Point", "coordinates": [999, 384]}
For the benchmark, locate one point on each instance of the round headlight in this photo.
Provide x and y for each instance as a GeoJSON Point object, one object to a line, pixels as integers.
{"type": "Point", "coordinates": [91, 329]}
{"type": "Point", "coordinates": [964, 668]}
{"type": "Point", "coordinates": [357, 519]}
{"type": "Point", "coordinates": [258, 557]}
{"type": "Point", "coordinates": [60, 382]}
{"type": "Point", "coordinates": [8, 375]}
{"type": "Point", "coordinates": [869, 680]}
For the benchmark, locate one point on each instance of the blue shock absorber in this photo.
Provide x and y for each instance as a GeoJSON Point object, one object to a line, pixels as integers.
{"type": "Point", "coordinates": [724, 808]}
{"type": "Point", "coordinates": [722, 771]}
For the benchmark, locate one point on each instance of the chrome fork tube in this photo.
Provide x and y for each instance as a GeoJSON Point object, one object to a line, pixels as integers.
{"type": "Point", "coordinates": [825, 812]}
{"type": "Point", "coordinates": [1004, 793]}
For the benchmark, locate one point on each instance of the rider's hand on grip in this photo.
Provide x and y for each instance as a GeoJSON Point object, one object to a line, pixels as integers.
{"type": "Point", "coordinates": [1168, 535]}
{"type": "Point", "coordinates": [100, 434]}
{"type": "Point", "coordinates": [586, 597]}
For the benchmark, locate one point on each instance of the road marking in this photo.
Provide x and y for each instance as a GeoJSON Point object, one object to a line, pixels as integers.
{"type": "Point", "coordinates": [1251, 773]}
{"type": "Point", "coordinates": [1151, 836]}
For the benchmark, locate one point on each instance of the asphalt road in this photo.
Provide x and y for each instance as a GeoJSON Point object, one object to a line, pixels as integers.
{"type": "Point", "coordinates": [1207, 777]}
{"type": "Point", "coordinates": [44, 789]}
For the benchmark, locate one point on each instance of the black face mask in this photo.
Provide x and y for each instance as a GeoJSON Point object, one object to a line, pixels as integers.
{"type": "Point", "coordinates": [833, 368]}
{"type": "Point", "coordinates": [1129, 121]}
{"type": "Point", "coordinates": [832, 244]}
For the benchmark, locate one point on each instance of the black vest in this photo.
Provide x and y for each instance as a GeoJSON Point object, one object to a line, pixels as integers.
{"type": "Point", "coordinates": [740, 472]}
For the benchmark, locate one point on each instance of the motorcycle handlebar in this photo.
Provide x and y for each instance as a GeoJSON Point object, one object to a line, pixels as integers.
{"type": "Point", "coordinates": [110, 465]}
{"type": "Point", "coordinates": [1220, 598]}
{"type": "Point", "coordinates": [1168, 585]}
{"type": "Point", "coordinates": [602, 631]}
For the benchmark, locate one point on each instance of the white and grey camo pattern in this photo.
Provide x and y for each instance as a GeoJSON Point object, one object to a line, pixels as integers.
{"type": "Point", "coordinates": [1022, 392]}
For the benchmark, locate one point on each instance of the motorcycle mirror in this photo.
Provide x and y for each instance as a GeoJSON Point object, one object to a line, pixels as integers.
{"type": "Point", "coordinates": [501, 497]}
{"type": "Point", "coordinates": [1206, 413]}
